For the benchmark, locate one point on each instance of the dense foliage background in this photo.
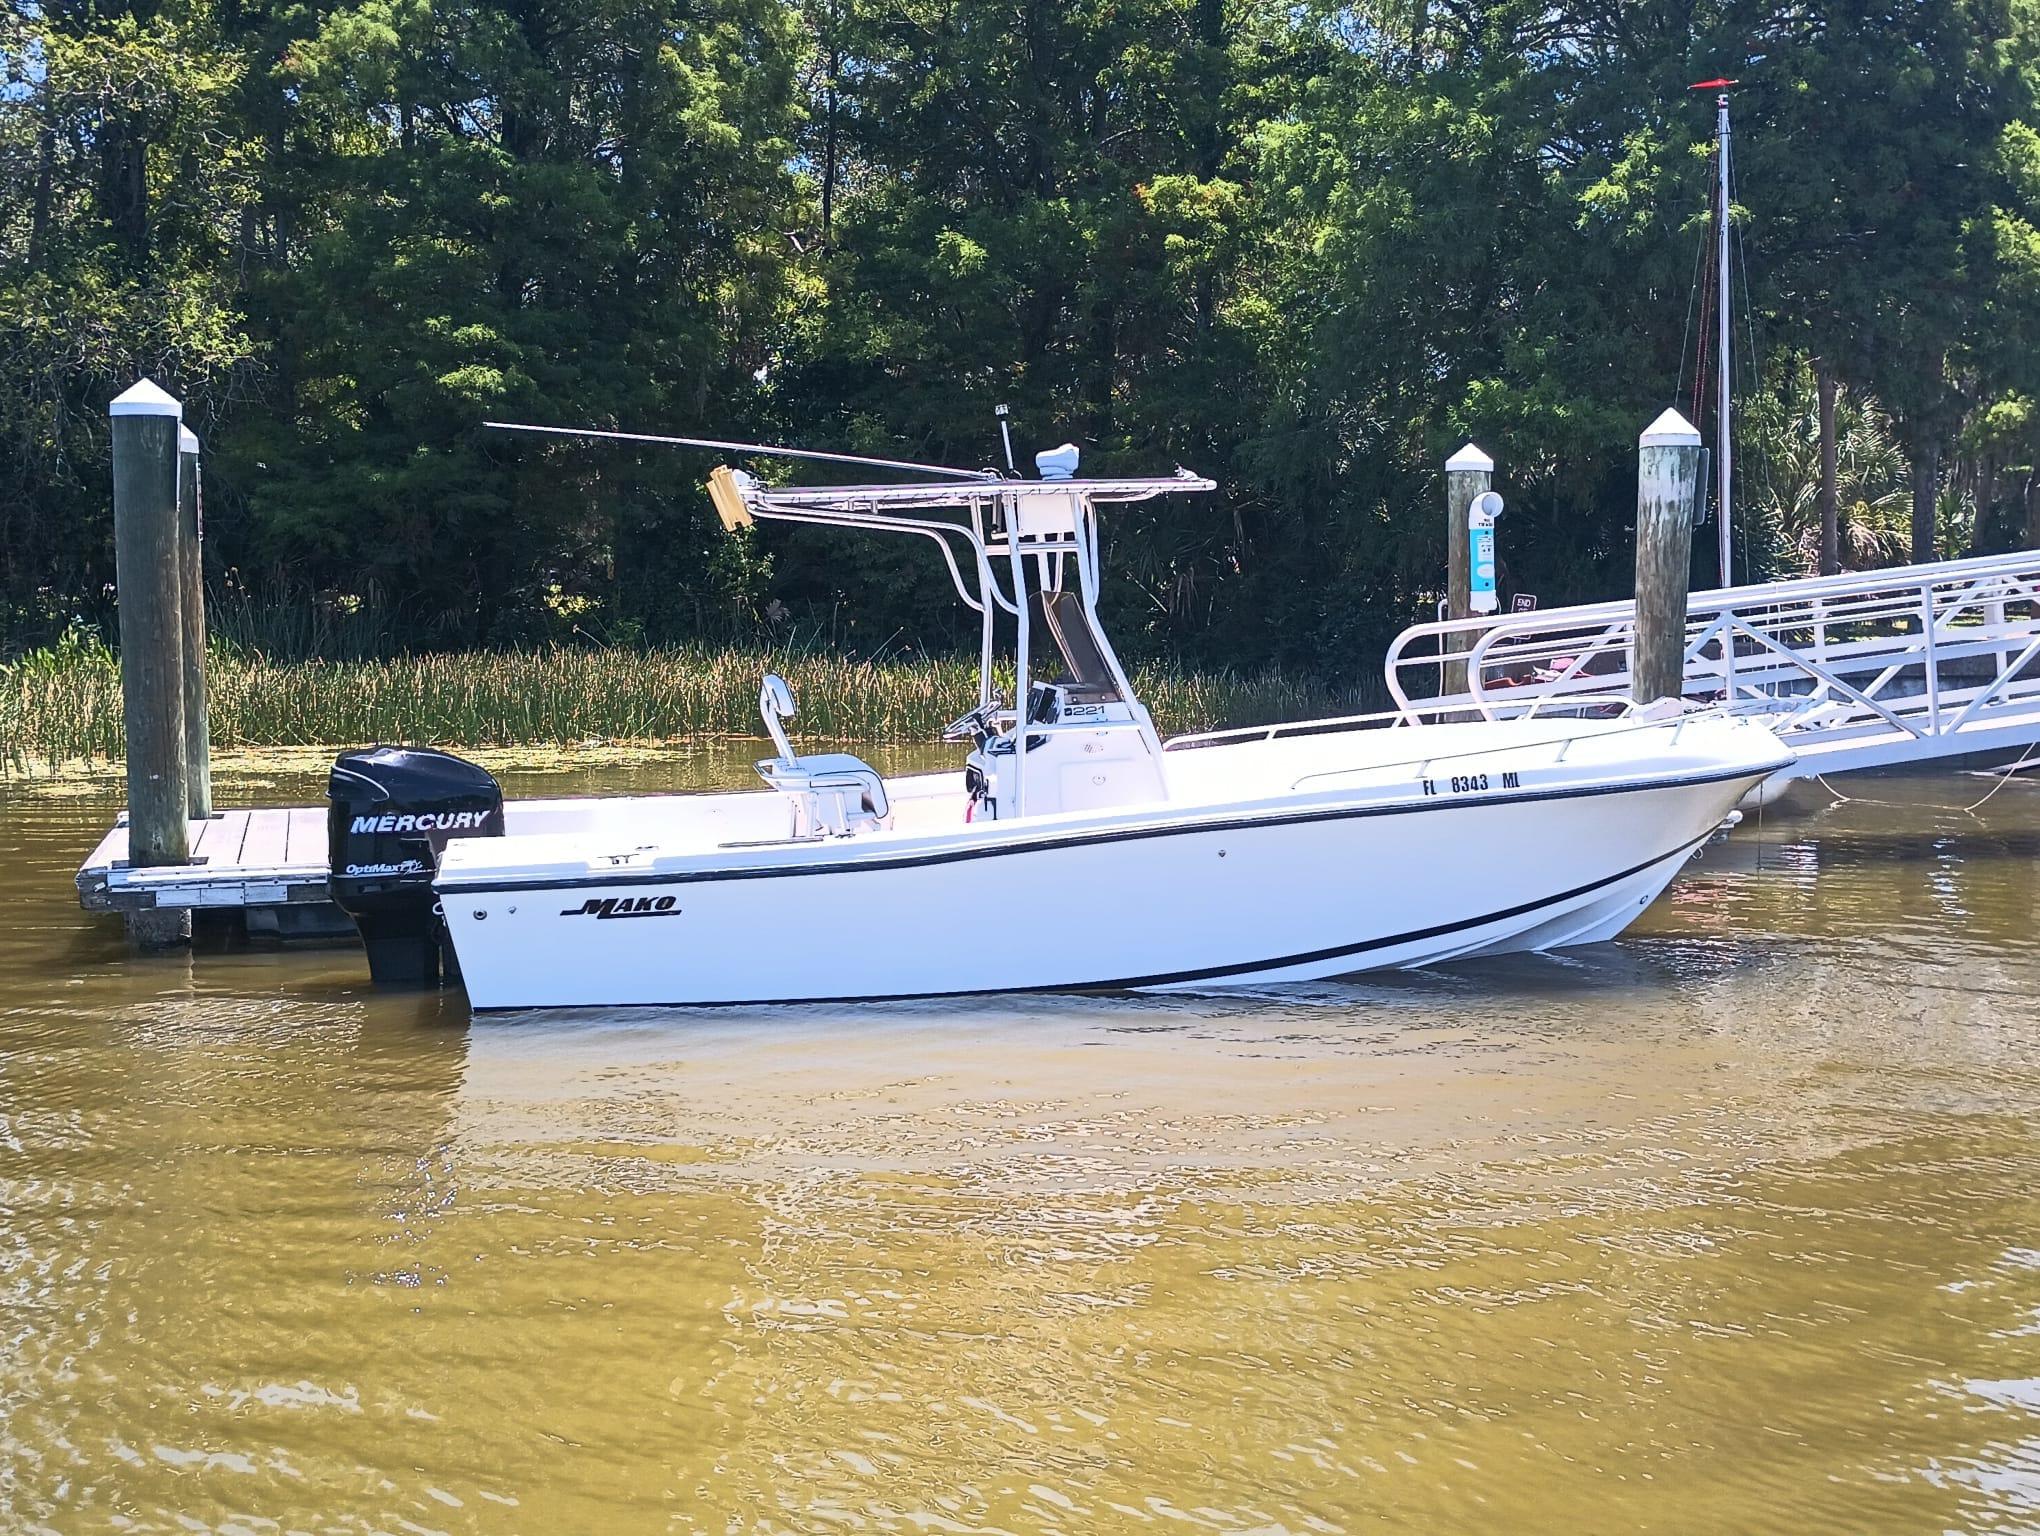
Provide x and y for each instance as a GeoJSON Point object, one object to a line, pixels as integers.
{"type": "Point", "coordinates": [1304, 248]}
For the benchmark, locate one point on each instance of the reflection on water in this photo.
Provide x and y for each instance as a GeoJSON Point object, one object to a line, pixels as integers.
{"type": "Point", "coordinates": [1728, 1226]}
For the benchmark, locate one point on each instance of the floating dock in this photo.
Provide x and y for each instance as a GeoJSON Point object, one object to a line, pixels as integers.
{"type": "Point", "coordinates": [267, 865]}
{"type": "Point", "coordinates": [266, 869]}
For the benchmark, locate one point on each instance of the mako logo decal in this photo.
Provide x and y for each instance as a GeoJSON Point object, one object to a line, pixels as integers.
{"type": "Point", "coordinates": [606, 907]}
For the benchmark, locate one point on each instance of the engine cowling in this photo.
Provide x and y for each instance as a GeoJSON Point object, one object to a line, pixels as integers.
{"type": "Point", "coordinates": [392, 810]}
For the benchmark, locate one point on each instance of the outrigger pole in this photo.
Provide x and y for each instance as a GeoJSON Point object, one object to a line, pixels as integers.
{"type": "Point", "coordinates": [771, 449]}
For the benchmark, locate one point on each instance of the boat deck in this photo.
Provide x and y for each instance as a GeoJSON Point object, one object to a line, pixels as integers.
{"type": "Point", "coordinates": [248, 860]}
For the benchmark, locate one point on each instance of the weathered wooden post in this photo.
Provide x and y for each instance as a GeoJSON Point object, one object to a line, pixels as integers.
{"type": "Point", "coordinates": [1667, 479]}
{"type": "Point", "coordinates": [191, 560]}
{"type": "Point", "coordinates": [1468, 473]}
{"type": "Point", "coordinates": [149, 572]}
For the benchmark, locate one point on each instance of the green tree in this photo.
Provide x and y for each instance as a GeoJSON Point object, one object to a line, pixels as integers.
{"type": "Point", "coordinates": [1305, 249]}
{"type": "Point", "coordinates": [524, 210]}
{"type": "Point", "coordinates": [123, 175]}
{"type": "Point", "coordinates": [1040, 204]}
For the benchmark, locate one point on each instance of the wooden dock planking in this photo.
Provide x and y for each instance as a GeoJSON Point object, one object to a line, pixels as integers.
{"type": "Point", "coordinates": [217, 837]}
{"type": "Point", "coordinates": [268, 841]}
{"type": "Point", "coordinates": [241, 859]}
{"type": "Point", "coordinates": [305, 842]}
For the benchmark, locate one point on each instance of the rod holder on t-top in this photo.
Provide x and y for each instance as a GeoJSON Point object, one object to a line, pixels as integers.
{"type": "Point", "coordinates": [1004, 413]}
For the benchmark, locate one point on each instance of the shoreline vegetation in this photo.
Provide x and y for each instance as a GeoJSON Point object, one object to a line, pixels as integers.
{"type": "Point", "coordinates": [60, 707]}
{"type": "Point", "coordinates": [1304, 250]}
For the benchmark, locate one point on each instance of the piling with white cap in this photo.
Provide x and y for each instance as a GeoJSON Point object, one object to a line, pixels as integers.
{"type": "Point", "coordinates": [191, 559]}
{"type": "Point", "coordinates": [1469, 473]}
{"type": "Point", "coordinates": [149, 572]}
{"type": "Point", "coordinates": [1667, 482]}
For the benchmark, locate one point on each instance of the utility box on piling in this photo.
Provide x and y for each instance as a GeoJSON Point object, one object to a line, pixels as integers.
{"type": "Point", "coordinates": [149, 571]}
{"type": "Point", "coordinates": [1667, 481]}
{"type": "Point", "coordinates": [1481, 564]}
{"type": "Point", "coordinates": [1469, 474]}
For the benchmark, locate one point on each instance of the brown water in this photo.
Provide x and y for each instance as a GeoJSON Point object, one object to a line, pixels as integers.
{"type": "Point", "coordinates": [1731, 1226]}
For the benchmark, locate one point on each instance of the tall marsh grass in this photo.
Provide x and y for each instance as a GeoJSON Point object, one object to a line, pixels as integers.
{"type": "Point", "coordinates": [62, 705]}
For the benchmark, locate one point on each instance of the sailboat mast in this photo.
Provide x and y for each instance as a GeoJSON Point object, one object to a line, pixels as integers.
{"type": "Point", "coordinates": [1723, 452]}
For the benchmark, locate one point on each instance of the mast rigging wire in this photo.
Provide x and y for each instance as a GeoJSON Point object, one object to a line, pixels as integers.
{"type": "Point", "coordinates": [1686, 336]}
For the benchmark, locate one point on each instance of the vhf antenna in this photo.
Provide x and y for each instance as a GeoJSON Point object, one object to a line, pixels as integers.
{"type": "Point", "coordinates": [1003, 412]}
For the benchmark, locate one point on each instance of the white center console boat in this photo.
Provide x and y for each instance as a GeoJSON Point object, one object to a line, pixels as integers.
{"type": "Point", "coordinates": [1072, 848]}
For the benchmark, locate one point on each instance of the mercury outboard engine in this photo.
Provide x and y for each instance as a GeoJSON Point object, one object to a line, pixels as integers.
{"type": "Point", "coordinates": [393, 809]}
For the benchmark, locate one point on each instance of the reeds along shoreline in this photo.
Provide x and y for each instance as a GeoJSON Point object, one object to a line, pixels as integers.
{"type": "Point", "coordinates": [63, 705]}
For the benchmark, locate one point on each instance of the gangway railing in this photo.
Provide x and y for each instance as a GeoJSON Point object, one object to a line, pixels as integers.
{"type": "Point", "coordinates": [1858, 670]}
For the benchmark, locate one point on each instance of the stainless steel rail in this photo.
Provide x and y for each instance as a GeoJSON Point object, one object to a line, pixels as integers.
{"type": "Point", "coordinates": [1860, 670]}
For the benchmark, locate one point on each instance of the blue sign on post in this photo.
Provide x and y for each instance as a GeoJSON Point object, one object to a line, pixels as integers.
{"type": "Point", "coordinates": [1480, 541]}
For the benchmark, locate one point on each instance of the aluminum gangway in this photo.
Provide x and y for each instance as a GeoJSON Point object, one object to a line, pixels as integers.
{"type": "Point", "coordinates": [1868, 669]}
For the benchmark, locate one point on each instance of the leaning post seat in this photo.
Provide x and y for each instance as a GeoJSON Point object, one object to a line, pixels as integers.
{"type": "Point", "coordinates": [834, 793]}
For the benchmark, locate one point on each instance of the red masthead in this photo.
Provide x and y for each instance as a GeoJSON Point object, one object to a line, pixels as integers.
{"type": "Point", "coordinates": [1712, 85]}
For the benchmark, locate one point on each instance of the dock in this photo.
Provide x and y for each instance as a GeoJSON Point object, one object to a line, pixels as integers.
{"type": "Point", "coordinates": [267, 865]}
{"type": "Point", "coordinates": [265, 869]}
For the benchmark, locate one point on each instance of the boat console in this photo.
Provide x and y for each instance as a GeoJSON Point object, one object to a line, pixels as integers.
{"type": "Point", "coordinates": [1083, 753]}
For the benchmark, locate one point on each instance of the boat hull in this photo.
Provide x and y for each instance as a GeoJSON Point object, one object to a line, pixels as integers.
{"type": "Point", "coordinates": [1285, 895]}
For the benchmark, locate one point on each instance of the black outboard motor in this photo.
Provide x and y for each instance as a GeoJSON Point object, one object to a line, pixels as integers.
{"type": "Point", "coordinates": [393, 809]}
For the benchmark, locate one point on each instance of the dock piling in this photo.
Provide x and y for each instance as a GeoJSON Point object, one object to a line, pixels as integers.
{"type": "Point", "coordinates": [149, 573]}
{"type": "Point", "coordinates": [1667, 480]}
{"type": "Point", "coordinates": [1468, 473]}
{"type": "Point", "coordinates": [191, 561]}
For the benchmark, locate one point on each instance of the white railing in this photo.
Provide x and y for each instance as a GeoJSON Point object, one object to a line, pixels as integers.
{"type": "Point", "coordinates": [1913, 662]}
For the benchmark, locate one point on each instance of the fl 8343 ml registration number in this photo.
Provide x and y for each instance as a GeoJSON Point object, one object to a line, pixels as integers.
{"type": "Point", "coordinates": [1471, 783]}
